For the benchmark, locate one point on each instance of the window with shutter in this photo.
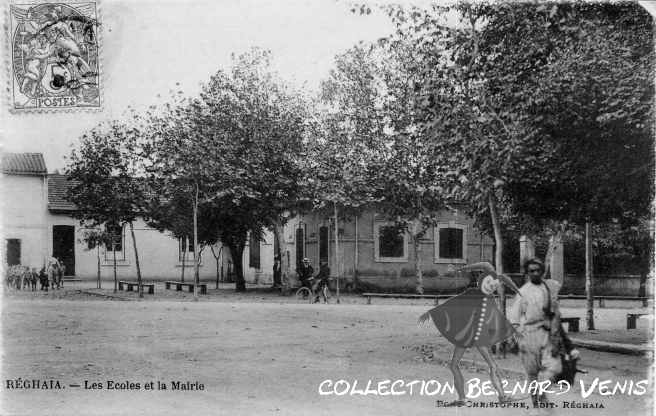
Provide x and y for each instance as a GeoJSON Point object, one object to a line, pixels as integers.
{"type": "Point", "coordinates": [450, 243]}
{"type": "Point", "coordinates": [391, 243]}
{"type": "Point", "coordinates": [116, 241]}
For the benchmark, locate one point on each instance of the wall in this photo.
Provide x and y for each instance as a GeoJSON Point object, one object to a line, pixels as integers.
{"type": "Point", "coordinates": [158, 255]}
{"type": "Point", "coordinates": [387, 276]}
{"type": "Point", "coordinates": [627, 285]}
{"type": "Point", "coordinates": [23, 217]}
{"type": "Point", "coordinates": [263, 275]}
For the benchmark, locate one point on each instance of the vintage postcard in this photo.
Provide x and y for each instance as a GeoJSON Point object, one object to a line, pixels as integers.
{"type": "Point", "coordinates": [296, 207]}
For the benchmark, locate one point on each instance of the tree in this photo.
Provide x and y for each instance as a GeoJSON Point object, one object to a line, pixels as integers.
{"type": "Point", "coordinates": [526, 103]}
{"type": "Point", "coordinates": [345, 146]}
{"type": "Point", "coordinates": [104, 173]}
{"type": "Point", "coordinates": [339, 176]}
{"type": "Point", "coordinates": [589, 88]}
{"type": "Point", "coordinates": [374, 156]}
{"type": "Point", "coordinates": [250, 125]}
{"type": "Point", "coordinates": [179, 176]}
{"type": "Point", "coordinates": [217, 258]}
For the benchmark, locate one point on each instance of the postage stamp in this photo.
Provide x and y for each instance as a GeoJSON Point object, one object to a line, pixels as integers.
{"type": "Point", "coordinates": [54, 61]}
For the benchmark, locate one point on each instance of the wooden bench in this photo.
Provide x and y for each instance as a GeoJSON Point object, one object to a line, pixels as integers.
{"type": "Point", "coordinates": [190, 286]}
{"type": "Point", "coordinates": [129, 286]}
{"type": "Point", "coordinates": [572, 323]}
{"type": "Point", "coordinates": [402, 296]}
{"type": "Point", "coordinates": [631, 319]}
{"type": "Point", "coordinates": [408, 296]}
{"type": "Point", "coordinates": [602, 299]}
{"type": "Point", "coordinates": [631, 298]}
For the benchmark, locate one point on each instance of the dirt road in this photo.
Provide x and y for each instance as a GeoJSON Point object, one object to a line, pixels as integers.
{"type": "Point", "coordinates": [250, 358]}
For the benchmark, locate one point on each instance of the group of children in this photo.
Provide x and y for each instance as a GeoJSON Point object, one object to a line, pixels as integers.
{"type": "Point", "coordinates": [29, 279]}
{"type": "Point", "coordinates": [24, 277]}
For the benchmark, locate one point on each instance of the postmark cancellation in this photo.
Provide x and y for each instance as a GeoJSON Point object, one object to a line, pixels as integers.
{"type": "Point", "coordinates": [54, 56]}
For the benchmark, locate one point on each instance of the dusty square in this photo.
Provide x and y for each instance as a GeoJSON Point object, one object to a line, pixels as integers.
{"type": "Point", "coordinates": [251, 358]}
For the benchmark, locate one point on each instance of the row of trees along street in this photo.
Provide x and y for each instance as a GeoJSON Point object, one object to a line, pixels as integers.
{"type": "Point", "coordinates": [537, 118]}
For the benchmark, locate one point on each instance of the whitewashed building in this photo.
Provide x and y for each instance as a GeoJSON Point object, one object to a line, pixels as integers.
{"type": "Point", "coordinates": [37, 224]}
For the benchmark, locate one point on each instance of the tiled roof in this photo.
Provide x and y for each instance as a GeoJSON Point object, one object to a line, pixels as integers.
{"type": "Point", "coordinates": [23, 164]}
{"type": "Point", "coordinates": [57, 187]}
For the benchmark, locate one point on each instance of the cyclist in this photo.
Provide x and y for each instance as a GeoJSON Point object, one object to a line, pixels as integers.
{"type": "Point", "coordinates": [321, 281]}
{"type": "Point", "coordinates": [305, 273]}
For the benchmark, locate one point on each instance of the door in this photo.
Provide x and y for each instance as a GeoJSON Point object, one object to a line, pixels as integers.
{"type": "Point", "coordinates": [254, 252]}
{"type": "Point", "coordinates": [300, 246]}
{"type": "Point", "coordinates": [63, 246]}
{"type": "Point", "coordinates": [323, 245]}
{"type": "Point", "coordinates": [13, 251]}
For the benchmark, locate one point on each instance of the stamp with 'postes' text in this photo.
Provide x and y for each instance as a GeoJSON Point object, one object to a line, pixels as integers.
{"type": "Point", "coordinates": [54, 50]}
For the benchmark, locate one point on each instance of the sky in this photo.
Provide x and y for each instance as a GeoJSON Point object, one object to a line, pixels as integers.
{"type": "Point", "coordinates": [149, 46]}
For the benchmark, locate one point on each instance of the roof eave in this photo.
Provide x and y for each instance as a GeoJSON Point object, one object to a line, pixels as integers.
{"type": "Point", "coordinates": [44, 174]}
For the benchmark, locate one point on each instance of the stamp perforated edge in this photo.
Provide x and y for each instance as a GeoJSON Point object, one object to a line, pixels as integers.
{"type": "Point", "coordinates": [8, 96]}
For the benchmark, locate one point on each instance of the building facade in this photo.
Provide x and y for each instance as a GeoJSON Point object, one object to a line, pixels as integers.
{"type": "Point", "coordinates": [372, 254]}
{"type": "Point", "coordinates": [37, 223]}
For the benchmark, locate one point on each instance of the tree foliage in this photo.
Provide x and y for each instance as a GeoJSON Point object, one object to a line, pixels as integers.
{"type": "Point", "coordinates": [103, 172]}
{"type": "Point", "coordinates": [371, 153]}
{"type": "Point", "coordinates": [544, 107]}
{"type": "Point", "coordinates": [548, 106]}
{"type": "Point", "coordinates": [236, 145]}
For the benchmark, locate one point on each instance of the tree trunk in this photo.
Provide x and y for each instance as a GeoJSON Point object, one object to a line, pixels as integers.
{"type": "Point", "coordinates": [642, 290]}
{"type": "Point", "coordinates": [498, 249]}
{"type": "Point", "coordinates": [553, 261]}
{"type": "Point", "coordinates": [217, 257]}
{"type": "Point", "coordinates": [419, 284]}
{"type": "Point", "coordinates": [589, 290]}
{"type": "Point", "coordinates": [498, 258]}
{"type": "Point", "coordinates": [644, 261]}
{"type": "Point", "coordinates": [184, 257]}
{"type": "Point", "coordinates": [196, 251]}
{"type": "Point", "coordinates": [136, 260]}
{"type": "Point", "coordinates": [98, 257]}
{"type": "Point", "coordinates": [336, 250]}
{"type": "Point", "coordinates": [416, 246]}
{"type": "Point", "coordinates": [114, 252]}
{"type": "Point", "coordinates": [356, 256]}
{"type": "Point", "coordinates": [278, 243]}
{"type": "Point", "coordinates": [217, 271]}
{"type": "Point", "coordinates": [547, 260]}
{"type": "Point", "coordinates": [237, 252]}
{"type": "Point", "coordinates": [285, 266]}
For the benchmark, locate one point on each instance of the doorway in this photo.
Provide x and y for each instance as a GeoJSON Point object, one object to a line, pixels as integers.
{"type": "Point", "coordinates": [63, 246]}
{"type": "Point", "coordinates": [300, 246]}
{"type": "Point", "coordinates": [323, 245]}
{"type": "Point", "coordinates": [13, 251]}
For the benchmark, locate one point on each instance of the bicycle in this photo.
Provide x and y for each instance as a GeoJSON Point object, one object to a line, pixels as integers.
{"type": "Point", "coordinates": [307, 294]}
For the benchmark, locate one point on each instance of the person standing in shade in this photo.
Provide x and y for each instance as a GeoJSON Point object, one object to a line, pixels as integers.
{"type": "Point", "coordinates": [43, 279]}
{"type": "Point", "coordinates": [277, 272]}
{"type": "Point", "coordinates": [61, 270]}
{"type": "Point", "coordinates": [536, 317]}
